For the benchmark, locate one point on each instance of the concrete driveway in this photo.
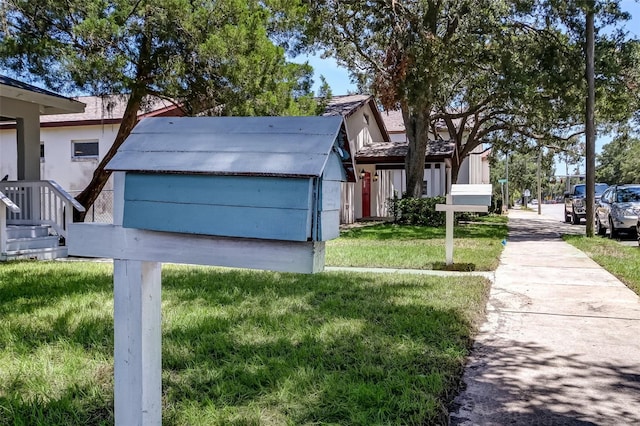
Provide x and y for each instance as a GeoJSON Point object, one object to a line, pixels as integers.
{"type": "Point", "coordinates": [561, 343]}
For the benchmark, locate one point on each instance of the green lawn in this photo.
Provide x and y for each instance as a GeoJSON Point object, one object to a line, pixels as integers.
{"type": "Point", "coordinates": [621, 261]}
{"type": "Point", "coordinates": [240, 347]}
{"type": "Point", "coordinates": [477, 246]}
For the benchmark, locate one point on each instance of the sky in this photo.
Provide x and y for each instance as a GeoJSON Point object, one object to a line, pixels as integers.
{"type": "Point", "coordinates": [338, 77]}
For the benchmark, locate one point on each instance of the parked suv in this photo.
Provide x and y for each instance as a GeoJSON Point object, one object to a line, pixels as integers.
{"type": "Point", "coordinates": [575, 202]}
{"type": "Point", "coordinates": [618, 210]}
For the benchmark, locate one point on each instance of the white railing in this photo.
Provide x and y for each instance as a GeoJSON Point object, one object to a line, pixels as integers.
{"type": "Point", "coordinates": [41, 202]}
{"type": "Point", "coordinates": [5, 203]}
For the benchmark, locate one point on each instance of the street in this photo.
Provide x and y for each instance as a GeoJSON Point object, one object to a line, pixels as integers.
{"type": "Point", "coordinates": [556, 211]}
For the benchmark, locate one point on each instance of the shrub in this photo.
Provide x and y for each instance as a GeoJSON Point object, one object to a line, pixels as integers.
{"type": "Point", "coordinates": [416, 211]}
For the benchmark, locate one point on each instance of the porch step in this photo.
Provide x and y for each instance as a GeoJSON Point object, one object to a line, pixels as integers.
{"type": "Point", "coordinates": [20, 244]}
{"type": "Point", "coordinates": [27, 231]}
{"type": "Point", "coordinates": [35, 254]}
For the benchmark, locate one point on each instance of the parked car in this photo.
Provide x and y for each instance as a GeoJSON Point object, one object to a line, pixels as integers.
{"type": "Point", "coordinates": [618, 210]}
{"type": "Point", "coordinates": [575, 207]}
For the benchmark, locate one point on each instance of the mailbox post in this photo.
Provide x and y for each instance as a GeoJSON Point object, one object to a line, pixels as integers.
{"type": "Point", "coordinates": [463, 198]}
{"type": "Point", "coordinates": [259, 192]}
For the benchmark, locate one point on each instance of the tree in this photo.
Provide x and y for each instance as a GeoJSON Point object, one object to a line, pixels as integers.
{"type": "Point", "coordinates": [207, 56]}
{"type": "Point", "coordinates": [496, 72]}
{"type": "Point", "coordinates": [530, 87]}
{"type": "Point", "coordinates": [523, 169]}
{"type": "Point", "coordinates": [619, 162]}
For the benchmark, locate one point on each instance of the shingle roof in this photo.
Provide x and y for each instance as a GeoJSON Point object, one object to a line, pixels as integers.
{"type": "Point", "coordinates": [104, 108]}
{"type": "Point", "coordinates": [396, 151]}
{"type": "Point", "coordinates": [348, 104]}
{"type": "Point", "coordinates": [345, 105]}
{"type": "Point", "coordinates": [393, 121]}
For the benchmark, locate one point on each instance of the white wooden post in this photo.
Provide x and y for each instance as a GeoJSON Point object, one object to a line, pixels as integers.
{"type": "Point", "coordinates": [3, 228]}
{"type": "Point", "coordinates": [449, 210]}
{"type": "Point", "coordinates": [137, 334]}
{"type": "Point", "coordinates": [138, 343]}
{"type": "Point", "coordinates": [118, 198]}
{"type": "Point", "coordinates": [448, 244]}
{"type": "Point", "coordinates": [5, 203]}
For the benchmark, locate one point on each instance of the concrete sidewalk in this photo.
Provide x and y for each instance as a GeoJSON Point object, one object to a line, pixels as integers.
{"type": "Point", "coordinates": [561, 344]}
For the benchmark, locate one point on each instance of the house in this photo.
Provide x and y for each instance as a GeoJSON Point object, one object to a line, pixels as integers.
{"type": "Point", "coordinates": [474, 169]}
{"type": "Point", "coordinates": [365, 127]}
{"type": "Point", "coordinates": [33, 213]}
{"type": "Point", "coordinates": [72, 144]}
{"type": "Point", "coordinates": [381, 147]}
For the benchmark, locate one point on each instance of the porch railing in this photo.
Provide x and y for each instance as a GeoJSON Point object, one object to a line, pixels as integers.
{"type": "Point", "coordinates": [5, 203]}
{"type": "Point", "coordinates": [41, 202]}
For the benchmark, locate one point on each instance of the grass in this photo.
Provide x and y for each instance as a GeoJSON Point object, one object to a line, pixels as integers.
{"type": "Point", "coordinates": [477, 246]}
{"type": "Point", "coordinates": [240, 347]}
{"type": "Point", "coordinates": [621, 261]}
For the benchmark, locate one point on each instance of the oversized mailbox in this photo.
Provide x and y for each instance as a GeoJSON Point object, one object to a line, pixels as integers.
{"type": "Point", "coordinates": [260, 192]}
{"type": "Point", "coordinates": [471, 194]}
{"type": "Point", "coordinates": [274, 178]}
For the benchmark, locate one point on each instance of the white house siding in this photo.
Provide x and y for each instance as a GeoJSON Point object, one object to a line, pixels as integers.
{"type": "Point", "coordinates": [434, 175]}
{"type": "Point", "coordinates": [463, 173]}
{"type": "Point", "coordinates": [58, 165]}
{"type": "Point", "coordinates": [347, 214]}
{"type": "Point", "coordinates": [8, 154]}
{"type": "Point", "coordinates": [398, 137]}
{"type": "Point", "coordinates": [486, 178]}
{"type": "Point", "coordinates": [362, 129]}
{"type": "Point", "coordinates": [474, 168]}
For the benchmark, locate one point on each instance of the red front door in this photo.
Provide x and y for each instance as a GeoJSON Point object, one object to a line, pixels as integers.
{"type": "Point", "coordinates": [366, 195]}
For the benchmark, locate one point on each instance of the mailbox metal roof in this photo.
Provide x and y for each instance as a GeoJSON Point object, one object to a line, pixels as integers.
{"type": "Point", "coordinates": [264, 146]}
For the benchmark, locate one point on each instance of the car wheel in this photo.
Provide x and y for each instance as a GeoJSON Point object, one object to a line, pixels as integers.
{"type": "Point", "coordinates": [600, 230]}
{"type": "Point", "coordinates": [567, 217]}
{"type": "Point", "coordinates": [575, 219]}
{"type": "Point", "coordinates": [612, 230]}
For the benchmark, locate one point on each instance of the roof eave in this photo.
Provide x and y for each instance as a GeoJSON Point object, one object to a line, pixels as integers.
{"type": "Point", "coordinates": [49, 103]}
{"type": "Point", "coordinates": [378, 117]}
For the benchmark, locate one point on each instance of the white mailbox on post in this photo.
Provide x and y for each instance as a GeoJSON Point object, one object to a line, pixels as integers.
{"type": "Point", "coordinates": [252, 192]}
{"type": "Point", "coordinates": [463, 198]}
{"type": "Point", "coordinates": [471, 194]}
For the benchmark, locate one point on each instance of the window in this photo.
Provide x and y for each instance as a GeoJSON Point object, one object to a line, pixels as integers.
{"type": "Point", "coordinates": [41, 151]}
{"type": "Point", "coordinates": [84, 149]}
{"type": "Point", "coordinates": [425, 188]}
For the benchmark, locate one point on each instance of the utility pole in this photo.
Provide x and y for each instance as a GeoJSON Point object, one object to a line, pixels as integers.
{"type": "Point", "coordinates": [590, 119]}
{"type": "Point", "coordinates": [507, 177]}
{"type": "Point", "coordinates": [539, 180]}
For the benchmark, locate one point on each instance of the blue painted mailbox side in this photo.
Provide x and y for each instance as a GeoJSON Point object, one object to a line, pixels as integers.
{"type": "Point", "coordinates": [229, 206]}
{"type": "Point", "coordinates": [291, 197]}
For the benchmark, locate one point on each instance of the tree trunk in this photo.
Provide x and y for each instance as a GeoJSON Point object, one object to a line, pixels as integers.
{"type": "Point", "coordinates": [100, 176]}
{"type": "Point", "coordinates": [129, 119]}
{"type": "Point", "coordinates": [417, 128]}
{"type": "Point", "coordinates": [456, 162]}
